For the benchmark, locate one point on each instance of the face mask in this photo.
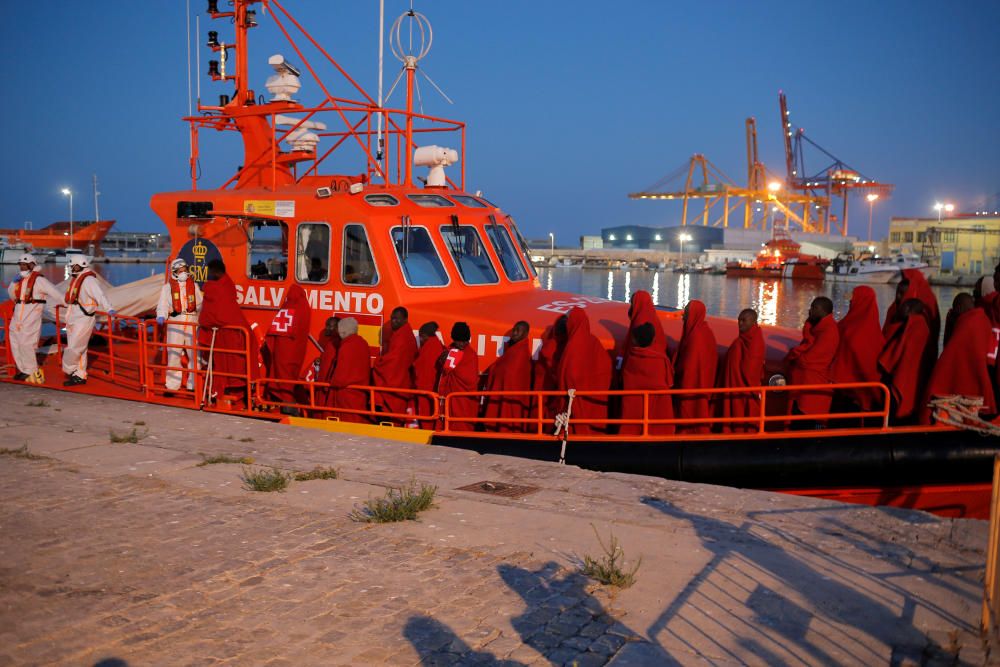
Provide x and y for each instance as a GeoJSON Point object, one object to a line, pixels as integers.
{"type": "Point", "coordinates": [25, 274]}
{"type": "Point", "coordinates": [181, 277]}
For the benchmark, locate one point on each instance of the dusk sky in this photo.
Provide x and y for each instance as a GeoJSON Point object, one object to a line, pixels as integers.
{"type": "Point", "coordinates": [570, 106]}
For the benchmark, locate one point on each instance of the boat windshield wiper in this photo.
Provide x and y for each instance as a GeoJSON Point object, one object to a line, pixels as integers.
{"type": "Point", "coordinates": [455, 245]}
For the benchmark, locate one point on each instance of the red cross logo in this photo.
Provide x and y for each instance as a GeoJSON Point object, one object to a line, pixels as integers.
{"type": "Point", "coordinates": [283, 320]}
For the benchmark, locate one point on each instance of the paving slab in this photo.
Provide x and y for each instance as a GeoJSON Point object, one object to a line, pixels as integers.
{"type": "Point", "coordinates": [132, 551]}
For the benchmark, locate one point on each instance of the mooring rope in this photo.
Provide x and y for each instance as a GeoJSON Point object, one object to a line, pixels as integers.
{"type": "Point", "coordinates": [962, 412]}
{"type": "Point", "coordinates": [562, 424]}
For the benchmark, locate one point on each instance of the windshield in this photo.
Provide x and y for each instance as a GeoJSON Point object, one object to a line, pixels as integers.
{"type": "Point", "coordinates": [504, 248]}
{"type": "Point", "coordinates": [524, 246]}
{"type": "Point", "coordinates": [417, 257]}
{"type": "Point", "coordinates": [469, 254]}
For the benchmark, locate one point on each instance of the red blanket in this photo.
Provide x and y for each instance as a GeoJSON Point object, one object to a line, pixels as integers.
{"type": "Point", "coordinates": [695, 364]}
{"type": "Point", "coordinates": [743, 367]}
{"type": "Point", "coordinates": [425, 373]}
{"type": "Point", "coordinates": [647, 368]}
{"type": "Point", "coordinates": [286, 342]}
{"type": "Point", "coordinates": [394, 367]}
{"type": "Point", "coordinates": [642, 311]}
{"type": "Point", "coordinates": [220, 309]}
{"type": "Point", "coordinates": [352, 368]}
{"type": "Point", "coordinates": [962, 368]}
{"type": "Point", "coordinates": [460, 372]}
{"type": "Point", "coordinates": [585, 366]}
{"type": "Point", "coordinates": [511, 372]}
{"type": "Point", "coordinates": [809, 363]}
{"type": "Point", "coordinates": [861, 342]}
{"type": "Point", "coordinates": [902, 362]}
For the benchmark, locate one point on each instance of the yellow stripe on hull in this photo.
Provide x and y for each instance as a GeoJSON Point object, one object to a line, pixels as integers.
{"type": "Point", "coordinates": [415, 435]}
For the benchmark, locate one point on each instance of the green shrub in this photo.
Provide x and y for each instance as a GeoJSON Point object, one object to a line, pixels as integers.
{"type": "Point", "coordinates": [265, 479]}
{"type": "Point", "coordinates": [402, 504]}
{"type": "Point", "coordinates": [608, 568]}
{"type": "Point", "coordinates": [317, 473]}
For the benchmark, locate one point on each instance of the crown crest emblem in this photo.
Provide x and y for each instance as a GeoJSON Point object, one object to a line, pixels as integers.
{"type": "Point", "coordinates": [199, 250]}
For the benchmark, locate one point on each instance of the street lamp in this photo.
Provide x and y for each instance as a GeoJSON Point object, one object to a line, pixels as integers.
{"type": "Point", "coordinates": [871, 204]}
{"type": "Point", "coordinates": [938, 206]}
{"type": "Point", "coordinates": [682, 238]}
{"type": "Point", "coordinates": [552, 243]}
{"type": "Point", "coordinates": [69, 193]}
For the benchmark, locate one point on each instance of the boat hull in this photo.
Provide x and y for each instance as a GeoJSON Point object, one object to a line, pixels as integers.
{"type": "Point", "coordinates": [868, 278]}
{"type": "Point", "coordinates": [56, 236]}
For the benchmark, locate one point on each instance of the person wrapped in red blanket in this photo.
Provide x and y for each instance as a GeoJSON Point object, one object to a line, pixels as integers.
{"type": "Point", "coordinates": [285, 346]}
{"type": "Point", "coordinates": [426, 368]}
{"type": "Point", "coordinates": [647, 368]}
{"type": "Point", "coordinates": [810, 361]}
{"type": "Point", "coordinates": [353, 367]}
{"type": "Point", "coordinates": [459, 371]}
{"type": "Point", "coordinates": [511, 372]}
{"type": "Point", "coordinates": [743, 367]}
{"type": "Point", "coordinates": [329, 343]}
{"type": "Point", "coordinates": [394, 367]}
{"type": "Point", "coordinates": [584, 366]}
{"type": "Point", "coordinates": [224, 347]}
{"type": "Point", "coordinates": [861, 342]}
{"type": "Point", "coordinates": [695, 364]}
{"type": "Point", "coordinates": [903, 361]}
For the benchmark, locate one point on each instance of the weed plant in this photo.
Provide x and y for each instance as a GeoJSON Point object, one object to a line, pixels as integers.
{"type": "Point", "coordinates": [608, 569]}
{"type": "Point", "coordinates": [21, 453]}
{"type": "Point", "coordinates": [40, 403]}
{"type": "Point", "coordinates": [246, 439]}
{"type": "Point", "coordinates": [317, 473]}
{"type": "Point", "coordinates": [401, 504]}
{"type": "Point", "coordinates": [132, 436]}
{"type": "Point", "coordinates": [265, 479]}
{"type": "Point", "coordinates": [224, 458]}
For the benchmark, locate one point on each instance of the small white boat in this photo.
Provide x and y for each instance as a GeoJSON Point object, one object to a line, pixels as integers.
{"type": "Point", "coordinates": [65, 256]}
{"type": "Point", "coordinates": [848, 269]}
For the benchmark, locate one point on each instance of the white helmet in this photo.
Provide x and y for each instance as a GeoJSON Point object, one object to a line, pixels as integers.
{"type": "Point", "coordinates": [26, 258]}
{"type": "Point", "coordinates": [79, 260]}
{"type": "Point", "coordinates": [177, 265]}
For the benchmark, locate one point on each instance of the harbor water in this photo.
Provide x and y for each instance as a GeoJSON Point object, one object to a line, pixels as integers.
{"type": "Point", "coordinates": [778, 301]}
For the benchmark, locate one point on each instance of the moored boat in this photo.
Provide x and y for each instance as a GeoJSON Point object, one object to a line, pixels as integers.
{"type": "Point", "coordinates": [781, 257]}
{"type": "Point", "coordinates": [86, 233]}
{"type": "Point", "coordinates": [873, 269]}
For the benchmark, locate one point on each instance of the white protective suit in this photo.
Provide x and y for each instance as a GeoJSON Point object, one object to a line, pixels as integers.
{"type": "Point", "coordinates": [181, 329]}
{"type": "Point", "coordinates": [26, 325]}
{"type": "Point", "coordinates": [80, 320]}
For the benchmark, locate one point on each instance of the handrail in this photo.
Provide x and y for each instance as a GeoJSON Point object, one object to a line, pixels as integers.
{"type": "Point", "coordinates": [114, 324]}
{"type": "Point", "coordinates": [6, 360]}
{"type": "Point", "coordinates": [371, 390]}
{"type": "Point", "coordinates": [537, 400]}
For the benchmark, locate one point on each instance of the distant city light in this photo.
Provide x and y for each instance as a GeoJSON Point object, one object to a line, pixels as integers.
{"type": "Point", "coordinates": [611, 237]}
{"type": "Point", "coordinates": [658, 237]}
{"type": "Point", "coordinates": [628, 237]}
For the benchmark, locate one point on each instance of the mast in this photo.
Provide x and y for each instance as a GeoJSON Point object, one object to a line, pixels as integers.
{"type": "Point", "coordinates": [97, 215]}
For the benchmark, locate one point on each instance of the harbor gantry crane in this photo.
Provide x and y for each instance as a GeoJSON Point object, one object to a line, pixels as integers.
{"type": "Point", "coordinates": [837, 179]}
{"type": "Point", "coordinates": [722, 197]}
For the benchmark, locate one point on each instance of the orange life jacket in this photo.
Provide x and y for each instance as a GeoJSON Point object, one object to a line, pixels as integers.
{"type": "Point", "coordinates": [73, 293]}
{"type": "Point", "coordinates": [191, 301]}
{"type": "Point", "coordinates": [26, 294]}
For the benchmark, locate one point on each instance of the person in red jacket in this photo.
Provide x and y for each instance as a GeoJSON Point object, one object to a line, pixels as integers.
{"type": "Point", "coordinates": [426, 368]}
{"type": "Point", "coordinates": [695, 364]}
{"type": "Point", "coordinates": [285, 346]}
{"type": "Point", "coordinates": [647, 368]}
{"type": "Point", "coordinates": [743, 367]}
{"type": "Point", "coordinates": [584, 366]}
{"type": "Point", "coordinates": [221, 343]}
{"type": "Point", "coordinates": [903, 361]}
{"type": "Point", "coordinates": [511, 372]}
{"type": "Point", "coordinates": [810, 361]}
{"type": "Point", "coordinates": [353, 367]}
{"type": "Point", "coordinates": [861, 342]}
{"type": "Point", "coordinates": [962, 369]}
{"type": "Point", "coordinates": [459, 368]}
{"type": "Point", "coordinates": [394, 367]}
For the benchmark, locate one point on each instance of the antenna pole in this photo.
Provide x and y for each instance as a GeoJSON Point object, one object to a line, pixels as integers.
{"type": "Point", "coordinates": [97, 215]}
{"type": "Point", "coordinates": [411, 69]}
{"type": "Point", "coordinates": [381, 54]}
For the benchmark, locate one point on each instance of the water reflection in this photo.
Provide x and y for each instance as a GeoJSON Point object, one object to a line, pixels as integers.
{"type": "Point", "coordinates": [548, 280]}
{"type": "Point", "coordinates": [781, 302]}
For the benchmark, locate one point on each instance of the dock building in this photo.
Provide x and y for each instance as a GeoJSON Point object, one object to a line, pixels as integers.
{"type": "Point", "coordinates": [961, 244]}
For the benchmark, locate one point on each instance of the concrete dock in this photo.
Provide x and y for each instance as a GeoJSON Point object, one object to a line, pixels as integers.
{"type": "Point", "coordinates": [130, 553]}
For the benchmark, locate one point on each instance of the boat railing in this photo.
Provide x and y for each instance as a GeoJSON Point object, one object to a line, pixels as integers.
{"type": "Point", "coordinates": [156, 360]}
{"type": "Point", "coordinates": [317, 406]}
{"type": "Point", "coordinates": [542, 419]}
{"type": "Point", "coordinates": [117, 362]}
{"type": "Point", "coordinates": [6, 359]}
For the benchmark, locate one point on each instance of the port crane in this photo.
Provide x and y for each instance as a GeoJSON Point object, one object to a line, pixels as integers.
{"type": "Point", "coordinates": [836, 179]}
{"type": "Point", "coordinates": [722, 198]}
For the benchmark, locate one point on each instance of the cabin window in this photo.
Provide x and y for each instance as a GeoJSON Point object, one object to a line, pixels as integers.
{"type": "Point", "coordinates": [381, 200]}
{"type": "Point", "coordinates": [431, 201]}
{"type": "Point", "coordinates": [358, 265]}
{"type": "Point", "coordinates": [312, 252]}
{"type": "Point", "coordinates": [469, 254]}
{"type": "Point", "coordinates": [267, 250]}
{"type": "Point", "coordinates": [504, 248]}
{"type": "Point", "coordinates": [418, 258]}
{"type": "Point", "coordinates": [466, 200]}
{"type": "Point", "coordinates": [524, 247]}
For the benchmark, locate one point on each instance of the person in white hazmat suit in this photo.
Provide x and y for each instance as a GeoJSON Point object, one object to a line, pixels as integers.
{"type": "Point", "coordinates": [178, 307]}
{"type": "Point", "coordinates": [84, 298]}
{"type": "Point", "coordinates": [30, 291]}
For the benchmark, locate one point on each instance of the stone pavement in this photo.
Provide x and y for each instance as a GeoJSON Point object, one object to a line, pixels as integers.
{"type": "Point", "coordinates": [132, 552]}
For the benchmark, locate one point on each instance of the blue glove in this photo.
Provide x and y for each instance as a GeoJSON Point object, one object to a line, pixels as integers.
{"type": "Point", "coordinates": [17, 278]}
{"type": "Point", "coordinates": [161, 320]}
